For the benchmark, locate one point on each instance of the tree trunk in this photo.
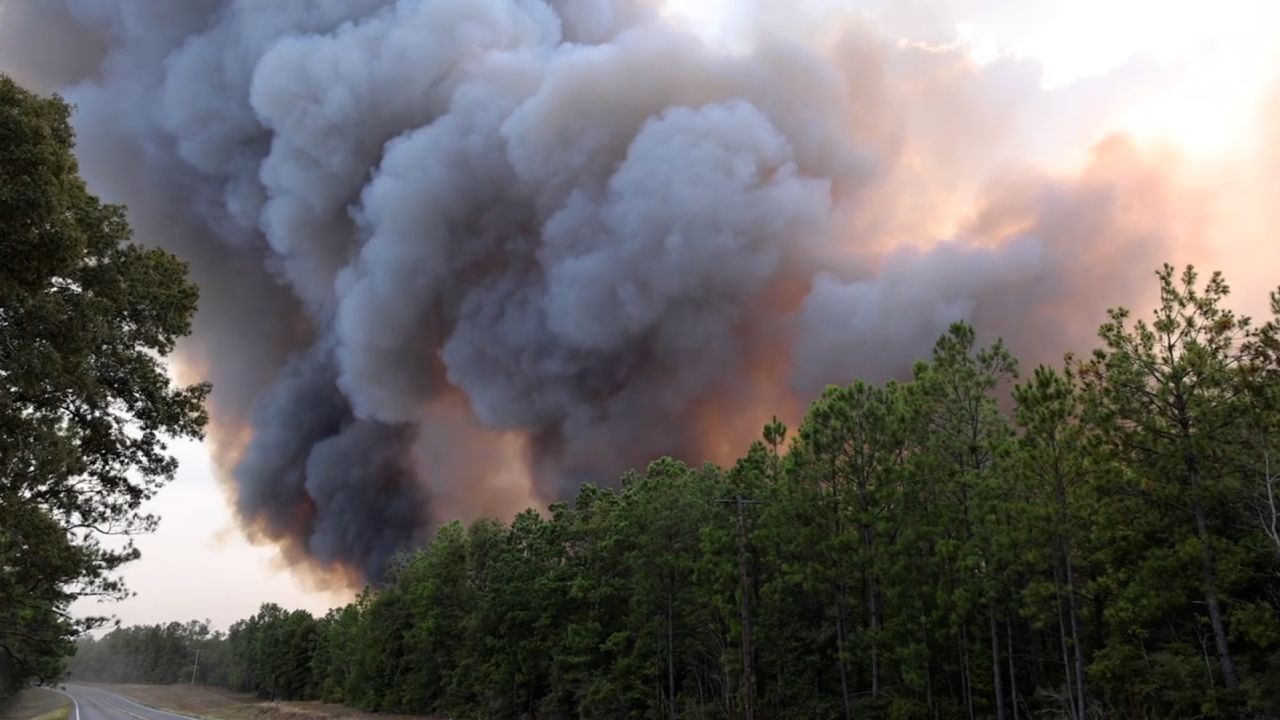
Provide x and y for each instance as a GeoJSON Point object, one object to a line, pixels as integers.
{"type": "Point", "coordinates": [1073, 706]}
{"type": "Point", "coordinates": [928, 674]}
{"type": "Point", "coordinates": [1229, 678]}
{"type": "Point", "coordinates": [1269, 516]}
{"type": "Point", "coordinates": [515, 688]}
{"type": "Point", "coordinates": [966, 683]}
{"type": "Point", "coordinates": [873, 604]}
{"type": "Point", "coordinates": [671, 665]}
{"type": "Point", "coordinates": [1013, 675]}
{"type": "Point", "coordinates": [840, 652]}
{"type": "Point", "coordinates": [1192, 464]}
{"type": "Point", "coordinates": [995, 662]}
{"type": "Point", "coordinates": [873, 613]}
{"type": "Point", "coordinates": [748, 652]}
{"type": "Point", "coordinates": [928, 682]}
{"type": "Point", "coordinates": [1072, 701]}
{"type": "Point", "coordinates": [1208, 668]}
{"type": "Point", "coordinates": [1082, 704]}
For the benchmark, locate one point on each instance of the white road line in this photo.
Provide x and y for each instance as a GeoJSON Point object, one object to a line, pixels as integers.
{"type": "Point", "coordinates": [145, 707]}
{"type": "Point", "coordinates": [74, 702]}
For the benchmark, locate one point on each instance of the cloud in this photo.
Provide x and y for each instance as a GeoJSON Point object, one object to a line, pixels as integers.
{"type": "Point", "coordinates": [457, 256]}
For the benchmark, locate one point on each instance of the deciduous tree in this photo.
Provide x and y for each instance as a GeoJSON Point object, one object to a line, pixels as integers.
{"type": "Point", "coordinates": [87, 319]}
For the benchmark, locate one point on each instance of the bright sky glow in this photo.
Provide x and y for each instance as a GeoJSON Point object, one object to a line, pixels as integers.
{"type": "Point", "coordinates": [199, 566]}
{"type": "Point", "coordinates": [1217, 58]}
{"type": "Point", "coordinates": [1220, 58]}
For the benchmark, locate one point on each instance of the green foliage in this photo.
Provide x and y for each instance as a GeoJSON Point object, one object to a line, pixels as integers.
{"type": "Point", "coordinates": [271, 653]}
{"type": "Point", "coordinates": [86, 320]}
{"type": "Point", "coordinates": [954, 546]}
{"type": "Point", "coordinates": [159, 654]}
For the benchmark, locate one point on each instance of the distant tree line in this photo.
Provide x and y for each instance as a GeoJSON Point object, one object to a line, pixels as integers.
{"type": "Point", "coordinates": [1094, 541]}
{"type": "Point", "coordinates": [153, 654]}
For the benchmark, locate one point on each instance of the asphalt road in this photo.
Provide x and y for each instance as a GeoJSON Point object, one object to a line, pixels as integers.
{"type": "Point", "coordinates": [97, 704]}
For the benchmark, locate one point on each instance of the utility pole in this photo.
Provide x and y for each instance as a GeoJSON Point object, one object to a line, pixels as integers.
{"type": "Point", "coordinates": [196, 665]}
{"type": "Point", "coordinates": [744, 578]}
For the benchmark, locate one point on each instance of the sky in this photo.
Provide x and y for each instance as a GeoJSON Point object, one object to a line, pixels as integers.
{"type": "Point", "coordinates": [198, 565]}
{"type": "Point", "coordinates": [1212, 70]}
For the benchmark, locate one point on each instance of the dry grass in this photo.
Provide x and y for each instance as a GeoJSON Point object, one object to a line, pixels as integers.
{"type": "Point", "coordinates": [218, 704]}
{"type": "Point", "coordinates": [61, 713]}
{"type": "Point", "coordinates": [36, 704]}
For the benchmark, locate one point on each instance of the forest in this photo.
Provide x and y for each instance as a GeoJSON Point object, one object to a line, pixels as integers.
{"type": "Point", "coordinates": [1095, 539]}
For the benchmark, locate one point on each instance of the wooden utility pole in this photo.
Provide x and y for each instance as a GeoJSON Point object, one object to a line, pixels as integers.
{"type": "Point", "coordinates": [744, 578]}
{"type": "Point", "coordinates": [195, 666]}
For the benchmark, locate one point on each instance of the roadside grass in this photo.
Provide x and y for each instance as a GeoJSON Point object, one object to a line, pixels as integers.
{"type": "Point", "coordinates": [208, 703]}
{"type": "Point", "coordinates": [37, 704]}
{"type": "Point", "coordinates": [61, 713]}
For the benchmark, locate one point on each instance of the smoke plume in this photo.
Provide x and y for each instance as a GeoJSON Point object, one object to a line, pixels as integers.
{"type": "Point", "coordinates": [458, 256]}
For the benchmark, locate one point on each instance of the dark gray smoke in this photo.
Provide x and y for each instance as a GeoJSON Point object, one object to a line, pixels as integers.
{"type": "Point", "coordinates": [459, 255]}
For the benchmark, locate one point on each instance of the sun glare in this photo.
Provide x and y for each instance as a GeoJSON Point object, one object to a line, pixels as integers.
{"type": "Point", "coordinates": [1213, 66]}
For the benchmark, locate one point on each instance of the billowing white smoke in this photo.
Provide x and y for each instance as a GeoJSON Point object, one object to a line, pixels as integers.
{"type": "Point", "coordinates": [565, 235]}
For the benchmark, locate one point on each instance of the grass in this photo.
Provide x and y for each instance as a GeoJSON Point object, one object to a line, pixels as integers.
{"type": "Point", "coordinates": [37, 704]}
{"type": "Point", "coordinates": [209, 703]}
{"type": "Point", "coordinates": [61, 713]}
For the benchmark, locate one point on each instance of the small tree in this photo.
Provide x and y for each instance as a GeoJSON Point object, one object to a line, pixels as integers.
{"type": "Point", "coordinates": [1052, 455]}
{"type": "Point", "coordinates": [961, 432]}
{"type": "Point", "coordinates": [1169, 395]}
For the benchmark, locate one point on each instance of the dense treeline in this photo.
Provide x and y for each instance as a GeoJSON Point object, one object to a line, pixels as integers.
{"type": "Point", "coordinates": [1099, 540]}
{"type": "Point", "coordinates": [155, 654]}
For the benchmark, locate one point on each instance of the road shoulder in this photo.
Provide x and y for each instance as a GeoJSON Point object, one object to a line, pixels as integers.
{"type": "Point", "coordinates": [37, 703]}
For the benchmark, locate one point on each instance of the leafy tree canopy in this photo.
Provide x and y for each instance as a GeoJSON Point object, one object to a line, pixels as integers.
{"type": "Point", "coordinates": [87, 319]}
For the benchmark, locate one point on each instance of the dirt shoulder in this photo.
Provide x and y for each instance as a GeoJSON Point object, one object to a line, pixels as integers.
{"type": "Point", "coordinates": [217, 704]}
{"type": "Point", "coordinates": [36, 704]}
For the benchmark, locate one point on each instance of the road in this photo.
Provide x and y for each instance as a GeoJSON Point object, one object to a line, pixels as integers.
{"type": "Point", "coordinates": [97, 704]}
